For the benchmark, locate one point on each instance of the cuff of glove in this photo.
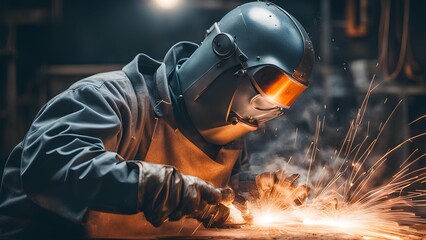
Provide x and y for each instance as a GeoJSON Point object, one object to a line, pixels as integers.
{"type": "Point", "coordinates": [139, 164]}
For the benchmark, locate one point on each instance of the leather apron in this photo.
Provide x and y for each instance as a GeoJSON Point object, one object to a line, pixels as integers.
{"type": "Point", "coordinates": [169, 146]}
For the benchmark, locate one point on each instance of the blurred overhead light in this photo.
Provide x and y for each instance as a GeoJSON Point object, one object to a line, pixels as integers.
{"type": "Point", "coordinates": [167, 4]}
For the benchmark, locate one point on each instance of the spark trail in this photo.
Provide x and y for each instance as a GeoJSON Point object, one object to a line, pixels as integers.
{"type": "Point", "coordinates": [348, 201]}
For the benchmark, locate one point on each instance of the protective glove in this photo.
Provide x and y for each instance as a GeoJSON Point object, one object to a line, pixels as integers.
{"type": "Point", "coordinates": [282, 189]}
{"type": "Point", "coordinates": [213, 215]}
{"type": "Point", "coordinates": [165, 193]}
{"type": "Point", "coordinates": [223, 215]}
{"type": "Point", "coordinates": [270, 186]}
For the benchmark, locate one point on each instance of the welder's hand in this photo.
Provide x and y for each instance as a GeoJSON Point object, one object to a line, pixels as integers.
{"type": "Point", "coordinates": [213, 215]}
{"type": "Point", "coordinates": [280, 188]}
{"type": "Point", "coordinates": [224, 214]}
{"type": "Point", "coordinates": [168, 194]}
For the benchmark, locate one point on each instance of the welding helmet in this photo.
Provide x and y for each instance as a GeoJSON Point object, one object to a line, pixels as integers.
{"type": "Point", "coordinates": [251, 65]}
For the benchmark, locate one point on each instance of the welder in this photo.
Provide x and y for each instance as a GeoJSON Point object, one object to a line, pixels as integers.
{"type": "Point", "coordinates": [156, 140]}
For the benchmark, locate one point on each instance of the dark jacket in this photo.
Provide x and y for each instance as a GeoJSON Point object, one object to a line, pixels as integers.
{"type": "Point", "coordinates": [82, 144]}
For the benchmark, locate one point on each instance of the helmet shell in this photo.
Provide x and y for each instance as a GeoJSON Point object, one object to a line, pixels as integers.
{"type": "Point", "coordinates": [264, 34]}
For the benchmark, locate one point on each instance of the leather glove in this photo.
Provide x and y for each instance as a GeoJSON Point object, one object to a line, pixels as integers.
{"type": "Point", "coordinates": [270, 186]}
{"type": "Point", "coordinates": [223, 215]}
{"type": "Point", "coordinates": [283, 189]}
{"type": "Point", "coordinates": [213, 215]}
{"type": "Point", "coordinates": [165, 193]}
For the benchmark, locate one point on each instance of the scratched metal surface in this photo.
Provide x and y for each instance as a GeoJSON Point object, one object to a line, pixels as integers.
{"type": "Point", "coordinates": [191, 229]}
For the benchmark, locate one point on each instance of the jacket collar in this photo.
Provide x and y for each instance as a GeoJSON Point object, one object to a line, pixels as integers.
{"type": "Point", "coordinates": [138, 71]}
{"type": "Point", "coordinates": [157, 77]}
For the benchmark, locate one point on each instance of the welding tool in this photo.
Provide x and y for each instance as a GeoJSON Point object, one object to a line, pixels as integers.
{"type": "Point", "coordinates": [222, 215]}
{"type": "Point", "coordinates": [236, 216]}
{"type": "Point", "coordinates": [227, 199]}
{"type": "Point", "coordinates": [228, 196]}
{"type": "Point", "coordinates": [213, 215]}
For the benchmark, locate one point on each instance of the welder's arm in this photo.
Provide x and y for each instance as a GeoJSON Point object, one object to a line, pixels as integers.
{"type": "Point", "coordinates": [67, 170]}
{"type": "Point", "coordinates": [65, 167]}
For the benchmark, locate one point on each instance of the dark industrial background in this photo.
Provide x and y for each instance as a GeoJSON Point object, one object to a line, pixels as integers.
{"type": "Point", "coordinates": [47, 45]}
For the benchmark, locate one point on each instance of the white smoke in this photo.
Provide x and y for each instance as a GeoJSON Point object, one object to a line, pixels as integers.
{"type": "Point", "coordinates": [287, 143]}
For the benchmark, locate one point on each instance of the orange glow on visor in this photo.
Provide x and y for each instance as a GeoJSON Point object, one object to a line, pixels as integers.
{"type": "Point", "coordinates": [278, 86]}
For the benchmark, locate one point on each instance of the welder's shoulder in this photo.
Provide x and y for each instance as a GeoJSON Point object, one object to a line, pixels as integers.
{"type": "Point", "coordinates": [106, 79]}
{"type": "Point", "coordinates": [114, 85]}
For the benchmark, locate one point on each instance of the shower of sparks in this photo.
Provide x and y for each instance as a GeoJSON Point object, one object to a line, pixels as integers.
{"type": "Point", "coordinates": [349, 202]}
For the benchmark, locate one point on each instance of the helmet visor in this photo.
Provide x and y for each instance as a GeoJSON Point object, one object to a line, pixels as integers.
{"type": "Point", "coordinates": [277, 86]}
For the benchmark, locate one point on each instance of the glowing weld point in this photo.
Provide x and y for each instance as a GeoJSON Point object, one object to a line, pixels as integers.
{"type": "Point", "coordinates": [267, 219]}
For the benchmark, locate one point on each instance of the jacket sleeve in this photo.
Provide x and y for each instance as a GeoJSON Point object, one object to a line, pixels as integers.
{"type": "Point", "coordinates": [65, 167]}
